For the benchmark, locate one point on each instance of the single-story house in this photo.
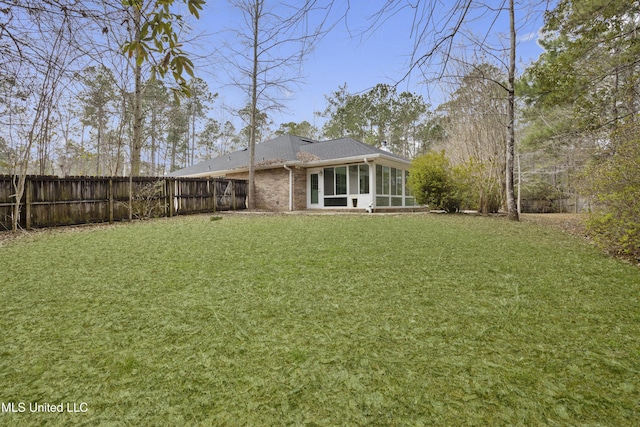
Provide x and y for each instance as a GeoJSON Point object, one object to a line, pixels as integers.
{"type": "Point", "coordinates": [294, 173]}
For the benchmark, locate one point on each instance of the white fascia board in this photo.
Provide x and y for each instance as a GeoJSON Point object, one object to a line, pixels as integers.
{"type": "Point", "coordinates": [224, 172]}
{"type": "Point", "coordinates": [312, 164]}
{"type": "Point", "coordinates": [208, 174]}
{"type": "Point", "coordinates": [355, 159]}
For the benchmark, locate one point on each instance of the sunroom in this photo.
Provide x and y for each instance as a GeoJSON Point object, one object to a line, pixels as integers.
{"type": "Point", "coordinates": [368, 185]}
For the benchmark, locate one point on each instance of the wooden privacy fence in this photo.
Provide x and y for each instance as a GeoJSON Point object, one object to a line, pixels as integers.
{"type": "Point", "coordinates": [52, 201]}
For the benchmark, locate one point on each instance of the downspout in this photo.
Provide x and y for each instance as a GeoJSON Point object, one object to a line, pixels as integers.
{"type": "Point", "coordinates": [370, 206]}
{"type": "Point", "coordinates": [290, 186]}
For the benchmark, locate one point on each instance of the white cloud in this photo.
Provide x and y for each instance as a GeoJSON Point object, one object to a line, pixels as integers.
{"type": "Point", "coordinates": [529, 36]}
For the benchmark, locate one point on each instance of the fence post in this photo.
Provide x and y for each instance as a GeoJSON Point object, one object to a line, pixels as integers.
{"type": "Point", "coordinates": [110, 199]}
{"type": "Point", "coordinates": [170, 184]}
{"type": "Point", "coordinates": [165, 197]}
{"type": "Point", "coordinates": [130, 196]}
{"type": "Point", "coordinates": [27, 202]}
{"type": "Point", "coordinates": [215, 184]}
{"type": "Point", "coordinates": [233, 195]}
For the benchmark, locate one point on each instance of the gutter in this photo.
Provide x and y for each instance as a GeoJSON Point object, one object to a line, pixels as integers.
{"type": "Point", "coordinates": [290, 187]}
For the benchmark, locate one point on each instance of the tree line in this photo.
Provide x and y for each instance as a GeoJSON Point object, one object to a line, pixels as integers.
{"type": "Point", "coordinates": [91, 128]}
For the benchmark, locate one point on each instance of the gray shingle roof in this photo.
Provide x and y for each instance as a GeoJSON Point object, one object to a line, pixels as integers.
{"type": "Point", "coordinates": [288, 149]}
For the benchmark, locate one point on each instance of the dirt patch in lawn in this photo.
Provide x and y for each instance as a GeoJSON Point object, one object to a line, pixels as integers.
{"type": "Point", "coordinates": [8, 236]}
{"type": "Point", "coordinates": [568, 222]}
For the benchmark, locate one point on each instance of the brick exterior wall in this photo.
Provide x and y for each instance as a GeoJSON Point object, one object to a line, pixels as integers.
{"type": "Point", "coordinates": [299, 189]}
{"type": "Point", "coordinates": [272, 188]}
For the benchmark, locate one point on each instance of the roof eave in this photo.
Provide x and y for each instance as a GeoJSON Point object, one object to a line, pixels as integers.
{"type": "Point", "coordinates": [353, 159]}
{"type": "Point", "coordinates": [314, 163]}
{"type": "Point", "coordinates": [240, 169]}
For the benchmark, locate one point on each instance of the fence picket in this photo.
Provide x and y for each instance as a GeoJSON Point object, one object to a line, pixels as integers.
{"type": "Point", "coordinates": [52, 201]}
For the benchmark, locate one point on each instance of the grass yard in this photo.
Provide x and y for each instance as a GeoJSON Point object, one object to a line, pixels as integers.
{"type": "Point", "coordinates": [374, 320]}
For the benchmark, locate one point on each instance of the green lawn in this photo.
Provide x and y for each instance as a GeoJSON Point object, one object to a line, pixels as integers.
{"type": "Point", "coordinates": [319, 320]}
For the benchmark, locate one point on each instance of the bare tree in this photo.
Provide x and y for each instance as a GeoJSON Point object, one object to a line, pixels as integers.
{"type": "Point", "coordinates": [267, 61]}
{"type": "Point", "coordinates": [474, 123]}
{"type": "Point", "coordinates": [512, 206]}
{"type": "Point", "coordinates": [42, 41]}
{"type": "Point", "coordinates": [38, 69]}
{"type": "Point", "coordinates": [436, 32]}
{"type": "Point", "coordinates": [138, 59]}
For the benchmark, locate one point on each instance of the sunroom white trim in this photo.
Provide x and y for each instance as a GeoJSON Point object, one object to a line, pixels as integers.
{"type": "Point", "coordinates": [348, 198]}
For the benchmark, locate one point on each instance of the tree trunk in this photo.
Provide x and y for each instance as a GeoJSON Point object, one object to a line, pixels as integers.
{"type": "Point", "coordinates": [136, 143]}
{"type": "Point", "coordinates": [512, 209]}
{"type": "Point", "coordinates": [154, 117]}
{"type": "Point", "coordinates": [23, 168]}
{"type": "Point", "coordinates": [254, 107]}
{"type": "Point", "coordinates": [193, 138]}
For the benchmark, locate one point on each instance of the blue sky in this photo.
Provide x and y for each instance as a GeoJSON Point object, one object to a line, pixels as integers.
{"type": "Point", "coordinates": [360, 59]}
